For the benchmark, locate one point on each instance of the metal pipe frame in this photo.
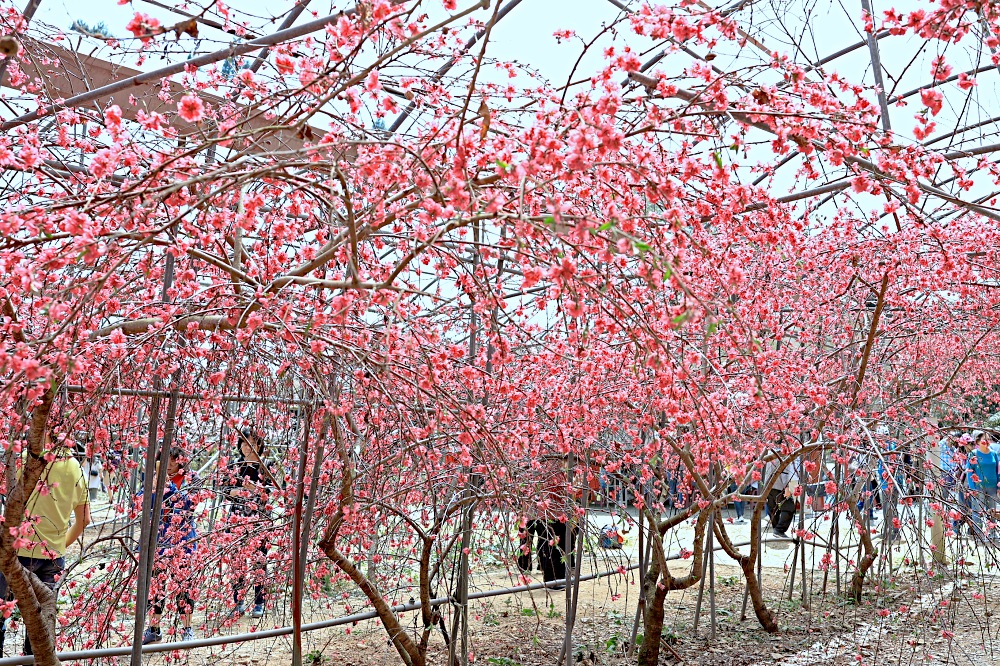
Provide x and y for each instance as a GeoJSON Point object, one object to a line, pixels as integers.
{"type": "Point", "coordinates": [85, 655]}
{"type": "Point", "coordinates": [876, 61]}
{"type": "Point", "coordinates": [153, 393]}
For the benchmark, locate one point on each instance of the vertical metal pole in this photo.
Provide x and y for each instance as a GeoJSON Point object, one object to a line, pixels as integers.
{"type": "Point", "coordinates": [836, 525]}
{"type": "Point", "coordinates": [795, 568]}
{"type": "Point", "coordinates": [640, 610]}
{"type": "Point", "coordinates": [701, 587]}
{"type": "Point", "coordinates": [802, 526]}
{"type": "Point", "coordinates": [136, 456]}
{"type": "Point", "coordinates": [310, 505]}
{"type": "Point", "coordinates": [746, 600]}
{"type": "Point", "coordinates": [217, 496]}
{"type": "Point", "coordinates": [711, 573]}
{"type": "Point", "coordinates": [150, 520]}
{"type": "Point", "coordinates": [460, 623]}
{"type": "Point", "coordinates": [937, 529]}
{"type": "Point", "coordinates": [142, 587]}
{"type": "Point", "coordinates": [576, 558]}
{"type": "Point", "coordinates": [152, 506]}
{"type": "Point", "coordinates": [829, 549]}
{"type": "Point", "coordinates": [298, 571]}
{"type": "Point", "coordinates": [567, 648]}
{"type": "Point", "coordinates": [760, 531]}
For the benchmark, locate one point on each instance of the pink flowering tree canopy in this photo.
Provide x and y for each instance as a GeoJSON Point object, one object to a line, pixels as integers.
{"type": "Point", "coordinates": [446, 286]}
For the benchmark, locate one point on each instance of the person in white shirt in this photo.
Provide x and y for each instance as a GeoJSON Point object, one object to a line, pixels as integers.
{"type": "Point", "coordinates": [92, 469]}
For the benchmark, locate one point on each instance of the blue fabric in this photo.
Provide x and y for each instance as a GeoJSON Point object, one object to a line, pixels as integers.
{"type": "Point", "coordinates": [177, 520]}
{"type": "Point", "coordinates": [983, 466]}
{"type": "Point", "coordinates": [895, 462]}
{"type": "Point", "coordinates": [947, 458]}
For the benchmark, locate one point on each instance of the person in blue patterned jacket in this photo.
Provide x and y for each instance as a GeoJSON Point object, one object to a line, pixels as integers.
{"type": "Point", "coordinates": [176, 543]}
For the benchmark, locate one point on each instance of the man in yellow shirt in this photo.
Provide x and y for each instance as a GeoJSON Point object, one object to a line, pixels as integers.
{"type": "Point", "coordinates": [60, 493]}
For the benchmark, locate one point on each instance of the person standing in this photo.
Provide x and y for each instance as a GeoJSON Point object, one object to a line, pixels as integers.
{"type": "Point", "coordinates": [982, 475]}
{"type": "Point", "coordinates": [891, 480]}
{"type": "Point", "coordinates": [92, 469]}
{"type": "Point", "coordinates": [61, 493]}
{"type": "Point", "coordinates": [555, 532]}
{"type": "Point", "coordinates": [737, 504]}
{"type": "Point", "coordinates": [176, 544]}
{"type": "Point", "coordinates": [780, 500]}
{"type": "Point", "coordinates": [253, 485]}
{"type": "Point", "coordinates": [959, 464]}
{"type": "Point", "coordinates": [946, 448]}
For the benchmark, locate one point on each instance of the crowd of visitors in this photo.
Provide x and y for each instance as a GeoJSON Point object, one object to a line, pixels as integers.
{"type": "Point", "coordinates": [59, 510]}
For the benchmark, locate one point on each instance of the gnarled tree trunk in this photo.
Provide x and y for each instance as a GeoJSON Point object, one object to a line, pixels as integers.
{"type": "Point", "coordinates": [35, 600]}
{"type": "Point", "coordinates": [659, 582]}
{"type": "Point", "coordinates": [867, 560]}
{"type": "Point", "coordinates": [765, 615]}
{"type": "Point", "coordinates": [404, 644]}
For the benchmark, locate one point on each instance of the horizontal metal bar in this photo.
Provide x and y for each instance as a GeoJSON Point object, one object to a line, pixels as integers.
{"type": "Point", "coordinates": [82, 655]}
{"type": "Point", "coordinates": [142, 393]}
{"type": "Point", "coordinates": [836, 186]}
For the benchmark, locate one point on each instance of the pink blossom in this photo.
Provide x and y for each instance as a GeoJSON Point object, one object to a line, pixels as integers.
{"type": "Point", "coordinates": [103, 163]}
{"type": "Point", "coordinates": [143, 26]}
{"type": "Point", "coordinates": [372, 83]}
{"type": "Point", "coordinates": [932, 99]}
{"type": "Point", "coordinates": [191, 108]}
{"type": "Point", "coordinates": [113, 116]}
{"type": "Point", "coordinates": [152, 121]}
{"type": "Point", "coordinates": [284, 63]}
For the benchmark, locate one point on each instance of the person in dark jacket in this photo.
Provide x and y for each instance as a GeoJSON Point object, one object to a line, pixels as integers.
{"type": "Point", "coordinates": [781, 501]}
{"type": "Point", "coordinates": [252, 486]}
{"type": "Point", "coordinates": [551, 528]}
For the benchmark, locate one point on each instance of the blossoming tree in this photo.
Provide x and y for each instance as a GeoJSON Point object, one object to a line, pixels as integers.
{"type": "Point", "coordinates": [430, 286]}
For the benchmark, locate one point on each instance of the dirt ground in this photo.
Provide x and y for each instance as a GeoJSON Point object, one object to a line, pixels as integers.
{"type": "Point", "coordinates": [942, 618]}
{"type": "Point", "coordinates": [933, 621]}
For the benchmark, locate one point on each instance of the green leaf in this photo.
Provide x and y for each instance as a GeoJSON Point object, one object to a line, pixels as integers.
{"type": "Point", "coordinates": [503, 165]}
{"type": "Point", "coordinates": [641, 246]}
{"type": "Point", "coordinates": [550, 220]}
{"type": "Point", "coordinates": [718, 159]}
{"type": "Point", "coordinates": [605, 226]}
{"type": "Point", "coordinates": [681, 318]}
{"type": "Point", "coordinates": [713, 327]}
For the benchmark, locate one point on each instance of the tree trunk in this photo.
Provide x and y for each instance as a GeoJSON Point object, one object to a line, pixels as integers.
{"type": "Point", "coordinates": [765, 616]}
{"type": "Point", "coordinates": [407, 649]}
{"type": "Point", "coordinates": [36, 601]}
{"type": "Point", "coordinates": [649, 651]}
{"type": "Point", "coordinates": [768, 620]}
{"type": "Point", "coordinates": [657, 589]}
{"type": "Point", "coordinates": [858, 579]}
{"type": "Point", "coordinates": [871, 552]}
